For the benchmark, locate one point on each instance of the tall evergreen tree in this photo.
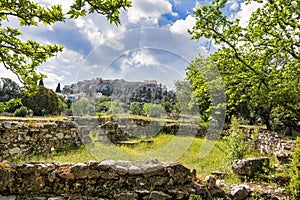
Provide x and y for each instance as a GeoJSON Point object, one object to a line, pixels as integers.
{"type": "Point", "coordinates": [58, 90]}
{"type": "Point", "coordinates": [41, 82]}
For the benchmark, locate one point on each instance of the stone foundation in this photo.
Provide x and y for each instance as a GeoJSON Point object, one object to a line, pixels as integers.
{"type": "Point", "coordinates": [25, 137]}
{"type": "Point", "coordinates": [270, 143]}
{"type": "Point", "coordinates": [107, 179]}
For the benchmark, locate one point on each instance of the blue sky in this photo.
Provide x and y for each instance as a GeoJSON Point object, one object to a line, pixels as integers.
{"type": "Point", "coordinates": [152, 42]}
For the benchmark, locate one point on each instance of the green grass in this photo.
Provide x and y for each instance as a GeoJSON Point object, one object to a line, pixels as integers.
{"type": "Point", "coordinates": [34, 119]}
{"type": "Point", "coordinates": [186, 150]}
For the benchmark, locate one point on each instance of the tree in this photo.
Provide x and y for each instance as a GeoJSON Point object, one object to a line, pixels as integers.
{"type": "Point", "coordinates": [260, 62]}
{"type": "Point", "coordinates": [136, 108]}
{"type": "Point", "coordinates": [58, 90]}
{"type": "Point", "coordinates": [23, 57]}
{"type": "Point", "coordinates": [9, 89]}
{"type": "Point", "coordinates": [153, 110]}
{"type": "Point", "coordinates": [41, 82]}
{"type": "Point", "coordinates": [185, 98]}
{"type": "Point", "coordinates": [84, 107]}
{"type": "Point", "coordinates": [43, 102]}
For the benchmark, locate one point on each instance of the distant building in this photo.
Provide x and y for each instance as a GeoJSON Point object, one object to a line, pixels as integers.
{"type": "Point", "coordinates": [71, 97]}
{"type": "Point", "coordinates": [98, 95]}
{"type": "Point", "coordinates": [150, 81]}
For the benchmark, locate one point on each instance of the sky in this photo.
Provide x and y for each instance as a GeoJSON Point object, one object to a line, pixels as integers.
{"type": "Point", "coordinates": [151, 43]}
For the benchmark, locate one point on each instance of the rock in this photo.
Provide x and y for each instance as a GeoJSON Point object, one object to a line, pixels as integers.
{"type": "Point", "coordinates": [80, 171]}
{"type": "Point", "coordinates": [284, 157]}
{"type": "Point", "coordinates": [219, 174]}
{"type": "Point", "coordinates": [221, 183]}
{"type": "Point", "coordinates": [134, 170]}
{"type": "Point", "coordinates": [49, 125]}
{"type": "Point", "coordinates": [249, 167]}
{"type": "Point", "coordinates": [158, 195]}
{"type": "Point", "coordinates": [105, 164]}
{"type": "Point", "coordinates": [216, 192]}
{"type": "Point", "coordinates": [7, 124]}
{"type": "Point", "coordinates": [120, 169]}
{"type": "Point", "coordinates": [126, 196]}
{"type": "Point", "coordinates": [60, 135]}
{"type": "Point", "coordinates": [14, 151]}
{"type": "Point", "coordinates": [65, 172]}
{"type": "Point", "coordinates": [11, 197]}
{"type": "Point", "coordinates": [240, 192]}
{"type": "Point", "coordinates": [210, 181]}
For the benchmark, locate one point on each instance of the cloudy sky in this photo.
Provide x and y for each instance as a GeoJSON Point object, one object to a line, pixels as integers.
{"type": "Point", "coordinates": [151, 43]}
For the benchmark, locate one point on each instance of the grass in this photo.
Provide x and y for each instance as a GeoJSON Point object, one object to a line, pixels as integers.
{"type": "Point", "coordinates": [194, 153]}
{"type": "Point", "coordinates": [53, 118]}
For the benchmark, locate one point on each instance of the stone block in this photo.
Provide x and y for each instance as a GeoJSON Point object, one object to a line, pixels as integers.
{"type": "Point", "coordinates": [249, 167]}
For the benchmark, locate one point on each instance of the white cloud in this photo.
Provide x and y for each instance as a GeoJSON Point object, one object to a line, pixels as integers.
{"type": "Point", "coordinates": [142, 57]}
{"type": "Point", "coordinates": [61, 69]}
{"type": "Point", "coordinates": [8, 74]}
{"type": "Point", "coordinates": [181, 26]}
{"type": "Point", "coordinates": [111, 41]}
{"type": "Point", "coordinates": [234, 4]}
{"type": "Point", "coordinates": [98, 30]}
{"type": "Point", "coordinates": [148, 10]}
{"type": "Point", "coordinates": [245, 12]}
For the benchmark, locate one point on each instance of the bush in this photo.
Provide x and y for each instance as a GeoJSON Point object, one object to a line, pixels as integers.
{"type": "Point", "coordinates": [294, 185]}
{"type": "Point", "coordinates": [236, 142]}
{"type": "Point", "coordinates": [136, 109]}
{"type": "Point", "coordinates": [153, 110]}
{"type": "Point", "coordinates": [21, 112]}
{"type": "Point", "coordinates": [43, 102]}
{"type": "Point", "coordinates": [84, 107]}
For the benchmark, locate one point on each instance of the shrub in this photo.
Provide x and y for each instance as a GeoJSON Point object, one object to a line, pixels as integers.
{"type": "Point", "coordinates": [236, 142]}
{"type": "Point", "coordinates": [21, 112]}
{"type": "Point", "coordinates": [153, 110]}
{"type": "Point", "coordinates": [136, 109]}
{"type": "Point", "coordinates": [294, 185]}
{"type": "Point", "coordinates": [43, 102]}
{"type": "Point", "coordinates": [84, 107]}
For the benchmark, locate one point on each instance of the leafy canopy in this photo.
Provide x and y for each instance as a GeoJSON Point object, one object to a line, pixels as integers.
{"type": "Point", "coordinates": [23, 57]}
{"type": "Point", "coordinates": [259, 63]}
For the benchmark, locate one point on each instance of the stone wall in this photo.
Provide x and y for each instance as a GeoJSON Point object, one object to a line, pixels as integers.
{"type": "Point", "coordinates": [270, 143]}
{"type": "Point", "coordinates": [267, 142]}
{"type": "Point", "coordinates": [107, 179]}
{"type": "Point", "coordinates": [25, 137]}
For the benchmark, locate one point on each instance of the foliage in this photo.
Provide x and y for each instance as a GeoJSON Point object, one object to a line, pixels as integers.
{"type": "Point", "coordinates": [136, 108]}
{"type": "Point", "coordinates": [4, 106]}
{"type": "Point", "coordinates": [111, 8]}
{"type": "Point", "coordinates": [21, 112]}
{"type": "Point", "coordinates": [153, 110]}
{"type": "Point", "coordinates": [63, 107]}
{"type": "Point", "coordinates": [237, 143]}
{"type": "Point", "coordinates": [58, 90]}
{"type": "Point", "coordinates": [84, 107]}
{"type": "Point", "coordinates": [282, 118]}
{"type": "Point", "coordinates": [185, 99]}
{"type": "Point", "coordinates": [195, 197]}
{"type": "Point", "coordinates": [43, 102]}
{"type": "Point", "coordinates": [294, 185]}
{"type": "Point", "coordinates": [116, 108]}
{"type": "Point", "coordinates": [8, 89]}
{"type": "Point", "coordinates": [103, 104]}
{"type": "Point", "coordinates": [208, 90]}
{"type": "Point", "coordinates": [23, 57]}
{"type": "Point", "coordinates": [260, 62]}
